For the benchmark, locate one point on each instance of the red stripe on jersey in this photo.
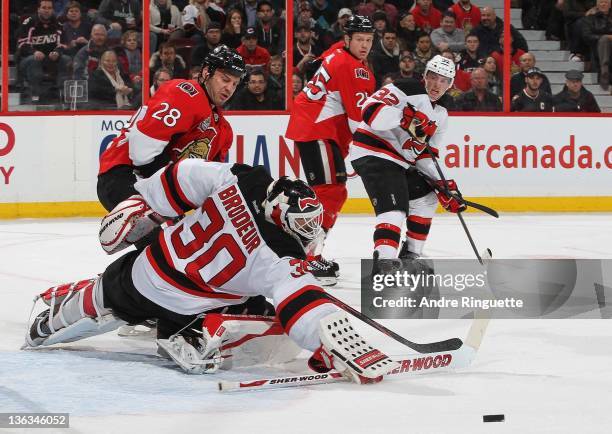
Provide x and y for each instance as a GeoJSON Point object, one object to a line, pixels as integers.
{"type": "Point", "coordinates": [296, 294]}
{"type": "Point", "coordinates": [419, 219]}
{"type": "Point", "coordinates": [303, 311]}
{"type": "Point", "coordinates": [378, 139]}
{"type": "Point", "coordinates": [376, 112]}
{"type": "Point", "coordinates": [168, 193]}
{"type": "Point", "coordinates": [179, 190]}
{"type": "Point", "coordinates": [386, 242]}
{"type": "Point", "coordinates": [414, 235]}
{"type": "Point", "coordinates": [389, 226]}
{"type": "Point", "coordinates": [275, 329]}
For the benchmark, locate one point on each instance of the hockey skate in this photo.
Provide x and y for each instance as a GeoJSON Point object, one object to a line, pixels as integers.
{"type": "Point", "coordinates": [404, 253]}
{"type": "Point", "coordinates": [344, 350]}
{"type": "Point", "coordinates": [144, 330]}
{"type": "Point", "coordinates": [39, 330]}
{"type": "Point", "coordinates": [325, 271]}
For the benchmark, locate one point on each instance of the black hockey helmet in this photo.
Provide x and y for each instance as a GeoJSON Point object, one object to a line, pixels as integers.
{"type": "Point", "coordinates": [294, 207]}
{"type": "Point", "coordinates": [358, 24]}
{"type": "Point", "coordinates": [223, 57]}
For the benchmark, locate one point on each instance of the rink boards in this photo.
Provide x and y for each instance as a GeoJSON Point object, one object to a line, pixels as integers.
{"type": "Point", "coordinates": [48, 164]}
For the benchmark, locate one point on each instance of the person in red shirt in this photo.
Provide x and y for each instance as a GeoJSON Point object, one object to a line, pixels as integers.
{"type": "Point", "coordinates": [323, 119]}
{"type": "Point", "coordinates": [426, 16]}
{"type": "Point", "coordinates": [253, 55]}
{"type": "Point", "coordinates": [182, 120]}
{"type": "Point", "coordinates": [468, 15]}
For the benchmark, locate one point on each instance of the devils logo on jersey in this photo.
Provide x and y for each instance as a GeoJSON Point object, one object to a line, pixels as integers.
{"type": "Point", "coordinates": [305, 202]}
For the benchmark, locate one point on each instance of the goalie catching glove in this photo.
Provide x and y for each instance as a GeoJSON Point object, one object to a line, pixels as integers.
{"type": "Point", "coordinates": [127, 223]}
{"type": "Point", "coordinates": [417, 124]}
{"type": "Point", "coordinates": [449, 203]}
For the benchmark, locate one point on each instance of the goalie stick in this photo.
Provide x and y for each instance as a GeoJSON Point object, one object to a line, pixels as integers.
{"type": "Point", "coordinates": [413, 364]}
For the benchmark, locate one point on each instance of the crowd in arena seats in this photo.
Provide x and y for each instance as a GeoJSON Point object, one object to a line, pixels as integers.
{"type": "Point", "coordinates": [408, 34]}
{"type": "Point", "coordinates": [99, 43]}
{"type": "Point", "coordinates": [584, 27]}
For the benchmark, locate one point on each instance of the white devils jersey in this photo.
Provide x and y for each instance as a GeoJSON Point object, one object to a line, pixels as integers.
{"type": "Point", "coordinates": [215, 256]}
{"type": "Point", "coordinates": [380, 134]}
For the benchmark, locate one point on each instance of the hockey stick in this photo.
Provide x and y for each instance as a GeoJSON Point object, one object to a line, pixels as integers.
{"type": "Point", "coordinates": [413, 364]}
{"type": "Point", "coordinates": [431, 347]}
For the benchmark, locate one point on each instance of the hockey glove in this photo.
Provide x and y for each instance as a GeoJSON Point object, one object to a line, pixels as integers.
{"type": "Point", "coordinates": [127, 223]}
{"type": "Point", "coordinates": [417, 124]}
{"type": "Point", "coordinates": [449, 203]}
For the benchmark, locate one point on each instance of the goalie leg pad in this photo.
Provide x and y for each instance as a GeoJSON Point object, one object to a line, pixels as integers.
{"type": "Point", "coordinates": [349, 353]}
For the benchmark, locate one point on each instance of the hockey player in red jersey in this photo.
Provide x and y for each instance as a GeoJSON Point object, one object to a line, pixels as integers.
{"type": "Point", "coordinates": [246, 237]}
{"type": "Point", "coordinates": [182, 120]}
{"type": "Point", "coordinates": [389, 154]}
{"type": "Point", "coordinates": [323, 118]}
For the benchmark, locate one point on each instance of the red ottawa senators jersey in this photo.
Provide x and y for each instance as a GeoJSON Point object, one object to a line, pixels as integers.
{"type": "Point", "coordinates": [179, 121]}
{"type": "Point", "coordinates": [329, 107]}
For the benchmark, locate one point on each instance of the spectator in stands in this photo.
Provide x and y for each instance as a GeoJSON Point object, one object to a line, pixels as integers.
{"type": "Point", "coordinates": [161, 76]}
{"type": "Point", "coordinates": [249, 10]}
{"type": "Point", "coordinates": [276, 78]}
{"type": "Point", "coordinates": [270, 29]}
{"type": "Point", "coordinates": [130, 58]}
{"type": "Point", "coordinates": [39, 49]}
{"type": "Point", "coordinates": [75, 30]}
{"type": "Point", "coordinates": [337, 29]}
{"type": "Point", "coordinates": [234, 29]}
{"type": "Point", "coordinates": [252, 53]}
{"type": "Point", "coordinates": [448, 36]}
{"type": "Point", "coordinates": [468, 15]}
{"type": "Point", "coordinates": [515, 58]}
{"type": "Point", "coordinates": [387, 79]}
{"type": "Point", "coordinates": [495, 83]}
{"type": "Point", "coordinates": [324, 13]}
{"type": "Point", "coordinates": [573, 12]}
{"type": "Point", "coordinates": [479, 98]}
{"type": "Point", "coordinates": [297, 84]}
{"type": "Point", "coordinates": [532, 98]}
{"type": "Point", "coordinates": [256, 95]}
{"type": "Point", "coordinates": [407, 67]}
{"type": "Point", "coordinates": [198, 16]}
{"type": "Point", "coordinates": [491, 28]}
{"type": "Point", "coordinates": [372, 6]}
{"type": "Point", "coordinates": [304, 50]}
{"type": "Point", "coordinates": [60, 9]}
{"type": "Point", "coordinates": [164, 21]}
{"type": "Point", "coordinates": [321, 36]}
{"type": "Point", "coordinates": [470, 58]}
{"type": "Point", "coordinates": [597, 32]}
{"type": "Point", "coordinates": [384, 56]}
{"type": "Point", "coordinates": [426, 16]}
{"type": "Point", "coordinates": [120, 16]}
{"type": "Point", "coordinates": [423, 52]}
{"type": "Point", "coordinates": [194, 72]}
{"type": "Point", "coordinates": [408, 32]}
{"type": "Point", "coordinates": [86, 60]}
{"type": "Point", "coordinates": [167, 58]}
{"type": "Point", "coordinates": [574, 97]}
{"type": "Point", "coordinates": [212, 39]}
{"type": "Point", "coordinates": [109, 88]}
{"type": "Point", "coordinates": [517, 82]}
{"type": "Point", "coordinates": [379, 21]}
{"type": "Point", "coordinates": [461, 83]}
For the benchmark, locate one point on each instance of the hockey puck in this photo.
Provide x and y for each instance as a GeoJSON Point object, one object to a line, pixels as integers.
{"type": "Point", "coordinates": [493, 418]}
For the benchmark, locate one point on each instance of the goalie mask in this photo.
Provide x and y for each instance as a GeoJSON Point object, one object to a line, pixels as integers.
{"type": "Point", "coordinates": [292, 205]}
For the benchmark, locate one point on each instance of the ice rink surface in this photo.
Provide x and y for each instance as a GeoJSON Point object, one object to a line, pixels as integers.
{"type": "Point", "coordinates": [551, 376]}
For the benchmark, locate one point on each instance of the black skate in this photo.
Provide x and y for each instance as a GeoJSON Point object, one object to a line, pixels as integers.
{"type": "Point", "coordinates": [39, 330]}
{"type": "Point", "coordinates": [404, 253]}
{"type": "Point", "coordinates": [385, 266]}
{"type": "Point", "coordinates": [325, 271]}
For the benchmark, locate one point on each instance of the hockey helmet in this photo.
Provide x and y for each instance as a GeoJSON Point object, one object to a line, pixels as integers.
{"type": "Point", "coordinates": [223, 57]}
{"type": "Point", "coordinates": [294, 207]}
{"type": "Point", "coordinates": [442, 66]}
{"type": "Point", "coordinates": [358, 24]}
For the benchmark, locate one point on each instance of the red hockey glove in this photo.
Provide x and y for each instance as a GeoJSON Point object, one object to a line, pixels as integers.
{"type": "Point", "coordinates": [450, 204]}
{"type": "Point", "coordinates": [408, 116]}
{"type": "Point", "coordinates": [417, 124]}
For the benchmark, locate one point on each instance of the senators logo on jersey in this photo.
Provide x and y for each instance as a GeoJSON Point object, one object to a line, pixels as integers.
{"type": "Point", "coordinates": [200, 147]}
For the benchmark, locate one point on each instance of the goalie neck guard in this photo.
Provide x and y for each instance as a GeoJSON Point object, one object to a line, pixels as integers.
{"type": "Point", "coordinates": [294, 207]}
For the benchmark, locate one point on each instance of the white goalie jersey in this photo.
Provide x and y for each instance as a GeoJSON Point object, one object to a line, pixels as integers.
{"type": "Point", "coordinates": [217, 255]}
{"type": "Point", "coordinates": [380, 134]}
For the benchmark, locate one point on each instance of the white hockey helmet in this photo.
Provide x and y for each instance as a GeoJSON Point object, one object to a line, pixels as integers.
{"type": "Point", "coordinates": [442, 66]}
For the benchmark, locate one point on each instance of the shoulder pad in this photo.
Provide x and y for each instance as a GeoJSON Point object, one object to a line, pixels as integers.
{"type": "Point", "coordinates": [410, 86]}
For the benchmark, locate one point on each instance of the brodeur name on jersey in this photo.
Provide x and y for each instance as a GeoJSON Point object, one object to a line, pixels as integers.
{"type": "Point", "coordinates": [329, 107]}
{"type": "Point", "coordinates": [380, 133]}
{"type": "Point", "coordinates": [177, 122]}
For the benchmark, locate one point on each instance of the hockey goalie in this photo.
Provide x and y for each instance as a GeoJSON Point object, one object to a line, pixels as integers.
{"type": "Point", "coordinates": [207, 279]}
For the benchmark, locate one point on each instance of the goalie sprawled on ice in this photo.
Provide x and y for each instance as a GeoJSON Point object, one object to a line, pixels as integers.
{"type": "Point", "coordinates": [246, 238]}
